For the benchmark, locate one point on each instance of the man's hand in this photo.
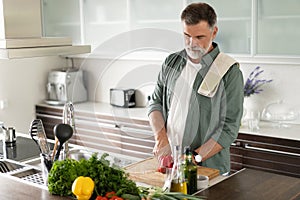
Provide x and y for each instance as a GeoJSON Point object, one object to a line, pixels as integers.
{"type": "Point", "coordinates": [162, 146]}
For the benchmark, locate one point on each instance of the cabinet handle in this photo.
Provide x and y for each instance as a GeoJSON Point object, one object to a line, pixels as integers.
{"type": "Point", "coordinates": [247, 146]}
{"type": "Point", "coordinates": [125, 129]}
{"type": "Point", "coordinates": [236, 144]}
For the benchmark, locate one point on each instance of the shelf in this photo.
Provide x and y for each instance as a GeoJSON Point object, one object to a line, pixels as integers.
{"type": "Point", "coordinates": [44, 51]}
{"type": "Point", "coordinates": [274, 17]}
{"type": "Point", "coordinates": [234, 19]}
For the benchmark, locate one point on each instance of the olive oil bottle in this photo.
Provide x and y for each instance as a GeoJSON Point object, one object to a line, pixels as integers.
{"type": "Point", "coordinates": [190, 171]}
{"type": "Point", "coordinates": [178, 183]}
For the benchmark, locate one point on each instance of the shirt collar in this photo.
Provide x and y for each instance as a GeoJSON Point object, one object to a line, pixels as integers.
{"type": "Point", "coordinates": [208, 58]}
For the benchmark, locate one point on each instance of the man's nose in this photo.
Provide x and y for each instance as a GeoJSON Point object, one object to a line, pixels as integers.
{"type": "Point", "coordinates": [192, 42]}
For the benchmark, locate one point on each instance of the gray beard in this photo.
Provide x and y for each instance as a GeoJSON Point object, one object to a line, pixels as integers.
{"type": "Point", "coordinates": [195, 53]}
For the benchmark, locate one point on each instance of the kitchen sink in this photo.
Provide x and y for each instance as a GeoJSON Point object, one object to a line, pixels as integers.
{"type": "Point", "coordinates": [30, 171]}
{"type": "Point", "coordinates": [8, 166]}
{"type": "Point", "coordinates": [79, 154]}
{"type": "Point", "coordinates": [30, 175]}
{"type": "Point", "coordinates": [22, 172]}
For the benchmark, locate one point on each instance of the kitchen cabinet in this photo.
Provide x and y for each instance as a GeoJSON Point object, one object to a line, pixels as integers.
{"type": "Point", "coordinates": [248, 28]}
{"type": "Point", "coordinates": [107, 131]}
{"type": "Point", "coordinates": [276, 155]}
{"type": "Point", "coordinates": [277, 28]}
{"type": "Point", "coordinates": [234, 23]}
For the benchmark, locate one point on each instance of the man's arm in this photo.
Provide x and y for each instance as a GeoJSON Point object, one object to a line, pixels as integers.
{"type": "Point", "coordinates": [209, 149]}
{"type": "Point", "coordinates": [234, 106]}
{"type": "Point", "coordinates": [157, 123]}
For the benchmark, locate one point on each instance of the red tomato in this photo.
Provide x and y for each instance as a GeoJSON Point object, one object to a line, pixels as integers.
{"type": "Point", "coordinates": [166, 161]}
{"type": "Point", "coordinates": [162, 170]}
{"type": "Point", "coordinates": [110, 194]}
{"type": "Point", "coordinates": [101, 198]}
{"type": "Point", "coordinates": [114, 197]}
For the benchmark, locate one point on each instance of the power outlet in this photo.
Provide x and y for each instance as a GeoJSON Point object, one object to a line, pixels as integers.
{"type": "Point", "coordinates": [3, 104]}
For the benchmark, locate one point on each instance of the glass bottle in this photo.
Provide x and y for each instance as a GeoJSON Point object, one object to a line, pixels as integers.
{"type": "Point", "coordinates": [190, 171]}
{"type": "Point", "coordinates": [178, 183]}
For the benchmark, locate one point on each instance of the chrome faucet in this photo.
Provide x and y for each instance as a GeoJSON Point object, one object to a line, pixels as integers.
{"type": "Point", "coordinates": [68, 118]}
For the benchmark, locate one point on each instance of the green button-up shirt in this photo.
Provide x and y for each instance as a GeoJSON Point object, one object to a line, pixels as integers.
{"type": "Point", "coordinates": [217, 117]}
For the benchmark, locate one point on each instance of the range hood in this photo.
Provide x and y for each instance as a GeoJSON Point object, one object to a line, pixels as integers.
{"type": "Point", "coordinates": [21, 33]}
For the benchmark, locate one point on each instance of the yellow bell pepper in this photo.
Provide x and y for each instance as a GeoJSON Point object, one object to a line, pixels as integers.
{"type": "Point", "coordinates": [83, 187]}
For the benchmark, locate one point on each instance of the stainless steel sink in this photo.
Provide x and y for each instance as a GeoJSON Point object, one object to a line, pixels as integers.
{"type": "Point", "coordinates": [23, 172]}
{"type": "Point", "coordinates": [7, 166]}
{"type": "Point", "coordinates": [79, 154]}
{"type": "Point", "coordinates": [30, 171]}
{"type": "Point", "coordinates": [30, 175]}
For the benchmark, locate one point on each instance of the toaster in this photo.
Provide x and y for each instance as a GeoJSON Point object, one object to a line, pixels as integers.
{"type": "Point", "coordinates": [121, 97]}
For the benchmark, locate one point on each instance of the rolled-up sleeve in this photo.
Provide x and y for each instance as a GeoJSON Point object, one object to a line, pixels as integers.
{"type": "Point", "coordinates": [156, 101]}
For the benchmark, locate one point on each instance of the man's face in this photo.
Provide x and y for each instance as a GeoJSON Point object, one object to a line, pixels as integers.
{"type": "Point", "coordinates": [198, 39]}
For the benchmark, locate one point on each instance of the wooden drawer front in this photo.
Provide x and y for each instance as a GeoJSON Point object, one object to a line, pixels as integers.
{"type": "Point", "coordinates": [116, 121]}
{"type": "Point", "coordinates": [114, 140]}
{"type": "Point", "coordinates": [255, 152]}
{"type": "Point", "coordinates": [104, 132]}
{"type": "Point", "coordinates": [49, 111]}
{"type": "Point", "coordinates": [49, 122]}
{"type": "Point", "coordinates": [284, 145]}
{"type": "Point", "coordinates": [267, 161]}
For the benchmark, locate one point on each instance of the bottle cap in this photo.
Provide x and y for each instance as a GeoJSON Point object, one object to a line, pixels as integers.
{"type": "Point", "coordinates": [187, 150]}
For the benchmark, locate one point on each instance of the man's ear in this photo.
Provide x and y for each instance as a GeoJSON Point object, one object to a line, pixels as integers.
{"type": "Point", "coordinates": [215, 31]}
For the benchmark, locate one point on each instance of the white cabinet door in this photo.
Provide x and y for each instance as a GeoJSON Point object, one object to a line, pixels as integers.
{"type": "Point", "coordinates": [278, 27]}
{"type": "Point", "coordinates": [249, 27]}
{"type": "Point", "coordinates": [61, 18]}
{"type": "Point", "coordinates": [234, 23]}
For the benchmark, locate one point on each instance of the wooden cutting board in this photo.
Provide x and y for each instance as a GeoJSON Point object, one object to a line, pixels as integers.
{"type": "Point", "coordinates": [145, 171]}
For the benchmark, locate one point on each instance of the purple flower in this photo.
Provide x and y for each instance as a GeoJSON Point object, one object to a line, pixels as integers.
{"type": "Point", "coordinates": [253, 84]}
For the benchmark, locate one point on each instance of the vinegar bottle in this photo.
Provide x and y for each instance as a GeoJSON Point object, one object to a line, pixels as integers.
{"type": "Point", "coordinates": [178, 183]}
{"type": "Point", "coordinates": [190, 171]}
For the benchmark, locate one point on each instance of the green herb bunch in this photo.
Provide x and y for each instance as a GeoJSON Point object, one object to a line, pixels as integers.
{"type": "Point", "coordinates": [106, 178]}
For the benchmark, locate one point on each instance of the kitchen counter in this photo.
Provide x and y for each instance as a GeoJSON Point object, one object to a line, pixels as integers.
{"type": "Point", "coordinates": [13, 189]}
{"type": "Point", "coordinates": [140, 113]}
{"type": "Point", "coordinates": [270, 129]}
{"type": "Point", "coordinates": [254, 184]}
{"type": "Point", "coordinates": [246, 184]}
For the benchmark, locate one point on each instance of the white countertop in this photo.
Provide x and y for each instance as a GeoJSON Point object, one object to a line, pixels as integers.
{"type": "Point", "coordinates": [272, 130]}
{"type": "Point", "coordinates": [107, 109]}
{"type": "Point", "coordinates": [265, 128]}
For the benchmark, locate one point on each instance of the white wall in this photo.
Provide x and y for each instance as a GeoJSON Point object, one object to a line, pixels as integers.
{"type": "Point", "coordinates": [141, 74]}
{"type": "Point", "coordinates": [22, 85]}
{"type": "Point", "coordinates": [285, 86]}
